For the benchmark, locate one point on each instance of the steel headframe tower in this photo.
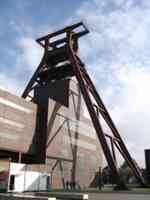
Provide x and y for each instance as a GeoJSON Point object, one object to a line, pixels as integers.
{"type": "Point", "coordinates": [60, 61]}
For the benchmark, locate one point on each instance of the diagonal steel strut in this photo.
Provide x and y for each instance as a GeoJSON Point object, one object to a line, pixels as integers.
{"type": "Point", "coordinates": [88, 87]}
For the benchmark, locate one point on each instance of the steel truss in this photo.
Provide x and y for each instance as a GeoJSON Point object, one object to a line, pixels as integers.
{"type": "Point", "coordinates": [61, 60]}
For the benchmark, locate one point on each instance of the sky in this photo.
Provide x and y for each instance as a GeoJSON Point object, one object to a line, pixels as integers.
{"type": "Point", "coordinates": [116, 52]}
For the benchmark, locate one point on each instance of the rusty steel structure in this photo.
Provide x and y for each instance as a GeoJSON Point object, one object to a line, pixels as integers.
{"type": "Point", "coordinates": [61, 60]}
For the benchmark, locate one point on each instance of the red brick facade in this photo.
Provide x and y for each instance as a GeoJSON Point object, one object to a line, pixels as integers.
{"type": "Point", "coordinates": [72, 149]}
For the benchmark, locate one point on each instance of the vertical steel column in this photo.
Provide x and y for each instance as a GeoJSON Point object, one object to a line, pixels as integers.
{"type": "Point", "coordinates": [19, 157]}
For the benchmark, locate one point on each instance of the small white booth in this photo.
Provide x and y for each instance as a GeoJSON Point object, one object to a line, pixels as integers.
{"type": "Point", "coordinates": [23, 177]}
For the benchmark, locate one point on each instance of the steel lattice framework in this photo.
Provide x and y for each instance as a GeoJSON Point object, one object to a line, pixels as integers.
{"type": "Point", "coordinates": [61, 60]}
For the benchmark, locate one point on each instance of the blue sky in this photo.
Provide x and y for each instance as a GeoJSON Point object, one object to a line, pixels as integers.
{"type": "Point", "coordinates": [117, 53]}
{"type": "Point", "coordinates": [28, 19]}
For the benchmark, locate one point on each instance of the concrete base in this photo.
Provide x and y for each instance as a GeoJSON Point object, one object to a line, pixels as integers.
{"type": "Point", "coordinates": [23, 197]}
{"type": "Point", "coordinates": [63, 195]}
{"type": "Point", "coordinates": [70, 195]}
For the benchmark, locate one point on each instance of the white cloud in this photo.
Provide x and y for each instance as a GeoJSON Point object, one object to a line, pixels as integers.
{"type": "Point", "coordinates": [27, 60]}
{"type": "Point", "coordinates": [10, 84]}
{"type": "Point", "coordinates": [31, 53]}
{"type": "Point", "coordinates": [131, 110]}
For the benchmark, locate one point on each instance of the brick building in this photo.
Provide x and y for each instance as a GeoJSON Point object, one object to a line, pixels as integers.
{"type": "Point", "coordinates": [70, 146]}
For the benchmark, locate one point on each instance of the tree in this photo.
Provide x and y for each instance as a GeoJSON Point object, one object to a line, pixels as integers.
{"type": "Point", "coordinates": [126, 172]}
{"type": "Point", "coordinates": [106, 175]}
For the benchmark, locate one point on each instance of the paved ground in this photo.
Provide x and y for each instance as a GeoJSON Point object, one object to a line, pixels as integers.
{"type": "Point", "coordinates": [138, 194]}
{"type": "Point", "coordinates": [116, 196]}
{"type": "Point", "coordinates": [134, 195]}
